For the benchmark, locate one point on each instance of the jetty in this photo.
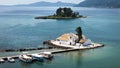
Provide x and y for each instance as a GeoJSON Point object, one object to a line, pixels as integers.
{"type": "Point", "coordinates": [25, 49]}
{"type": "Point", "coordinates": [53, 51]}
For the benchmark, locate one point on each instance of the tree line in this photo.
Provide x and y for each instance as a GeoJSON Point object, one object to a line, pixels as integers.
{"type": "Point", "coordinates": [66, 12]}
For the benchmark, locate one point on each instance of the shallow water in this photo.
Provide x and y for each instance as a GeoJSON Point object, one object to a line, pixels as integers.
{"type": "Point", "coordinates": [19, 29]}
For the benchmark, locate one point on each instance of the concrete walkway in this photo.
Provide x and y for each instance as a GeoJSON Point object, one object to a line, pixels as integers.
{"type": "Point", "coordinates": [94, 45]}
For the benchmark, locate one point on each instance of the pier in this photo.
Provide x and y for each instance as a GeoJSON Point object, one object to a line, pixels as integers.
{"type": "Point", "coordinates": [52, 50]}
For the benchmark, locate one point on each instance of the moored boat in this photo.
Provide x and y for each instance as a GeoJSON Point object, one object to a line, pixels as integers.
{"type": "Point", "coordinates": [2, 60]}
{"type": "Point", "coordinates": [10, 59]}
{"type": "Point", "coordinates": [26, 58]}
{"type": "Point", "coordinates": [47, 55]}
{"type": "Point", "coordinates": [38, 57]}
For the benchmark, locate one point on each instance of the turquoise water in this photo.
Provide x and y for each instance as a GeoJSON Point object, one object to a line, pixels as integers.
{"type": "Point", "coordinates": [19, 29]}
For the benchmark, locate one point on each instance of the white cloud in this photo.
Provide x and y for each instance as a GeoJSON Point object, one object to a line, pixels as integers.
{"type": "Point", "coordinates": [13, 2]}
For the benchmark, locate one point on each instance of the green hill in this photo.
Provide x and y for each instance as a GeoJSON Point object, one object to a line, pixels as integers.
{"type": "Point", "coordinates": [100, 3]}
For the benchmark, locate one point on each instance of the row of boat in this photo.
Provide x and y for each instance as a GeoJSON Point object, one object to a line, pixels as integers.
{"type": "Point", "coordinates": [30, 58]}
{"type": "Point", "coordinates": [10, 59]}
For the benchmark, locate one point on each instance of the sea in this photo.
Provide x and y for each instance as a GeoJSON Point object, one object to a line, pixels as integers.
{"type": "Point", "coordinates": [19, 29]}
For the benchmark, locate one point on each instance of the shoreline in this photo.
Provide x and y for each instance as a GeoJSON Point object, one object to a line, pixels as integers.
{"type": "Point", "coordinates": [55, 17]}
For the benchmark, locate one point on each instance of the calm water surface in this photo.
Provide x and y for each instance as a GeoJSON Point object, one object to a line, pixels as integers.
{"type": "Point", "coordinates": [19, 29]}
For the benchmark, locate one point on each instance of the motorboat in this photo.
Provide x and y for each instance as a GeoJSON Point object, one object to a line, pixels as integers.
{"type": "Point", "coordinates": [26, 58]}
{"type": "Point", "coordinates": [47, 55]}
{"type": "Point", "coordinates": [10, 59]}
{"type": "Point", "coordinates": [38, 57]}
{"type": "Point", "coordinates": [2, 60]}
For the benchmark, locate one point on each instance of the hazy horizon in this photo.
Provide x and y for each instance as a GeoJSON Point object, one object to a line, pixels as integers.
{"type": "Point", "coordinates": [14, 2]}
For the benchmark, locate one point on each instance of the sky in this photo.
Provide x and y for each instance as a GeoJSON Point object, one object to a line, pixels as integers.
{"type": "Point", "coordinates": [14, 2]}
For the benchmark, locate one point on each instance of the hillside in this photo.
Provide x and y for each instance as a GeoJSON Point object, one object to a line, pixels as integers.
{"type": "Point", "coordinates": [48, 4]}
{"type": "Point", "coordinates": [100, 3]}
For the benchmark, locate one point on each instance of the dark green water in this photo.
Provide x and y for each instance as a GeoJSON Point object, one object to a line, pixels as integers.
{"type": "Point", "coordinates": [19, 29]}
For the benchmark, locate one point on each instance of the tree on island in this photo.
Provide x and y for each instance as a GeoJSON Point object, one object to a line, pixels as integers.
{"type": "Point", "coordinates": [79, 33]}
{"type": "Point", "coordinates": [66, 12]}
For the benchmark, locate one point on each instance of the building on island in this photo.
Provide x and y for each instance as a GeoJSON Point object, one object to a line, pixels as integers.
{"type": "Point", "coordinates": [74, 41]}
{"type": "Point", "coordinates": [71, 38]}
{"type": "Point", "coordinates": [68, 38]}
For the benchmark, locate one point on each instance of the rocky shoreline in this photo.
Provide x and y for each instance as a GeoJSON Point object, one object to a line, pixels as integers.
{"type": "Point", "coordinates": [55, 17]}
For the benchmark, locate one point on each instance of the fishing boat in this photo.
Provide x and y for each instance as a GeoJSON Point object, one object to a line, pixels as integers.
{"type": "Point", "coordinates": [47, 55]}
{"type": "Point", "coordinates": [10, 59]}
{"type": "Point", "coordinates": [38, 57]}
{"type": "Point", "coordinates": [2, 60]}
{"type": "Point", "coordinates": [26, 58]}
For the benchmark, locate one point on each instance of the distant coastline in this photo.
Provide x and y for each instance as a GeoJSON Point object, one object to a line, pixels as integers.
{"type": "Point", "coordinates": [100, 3]}
{"type": "Point", "coordinates": [42, 4]}
{"type": "Point", "coordinates": [84, 3]}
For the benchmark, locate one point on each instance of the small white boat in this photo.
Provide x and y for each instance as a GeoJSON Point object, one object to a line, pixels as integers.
{"type": "Point", "coordinates": [47, 55]}
{"type": "Point", "coordinates": [38, 57]}
{"type": "Point", "coordinates": [10, 59]}
{"type": "Point", "coordinates": [26, 58]}
{"type": "Point", "coordinates": [2, 60]}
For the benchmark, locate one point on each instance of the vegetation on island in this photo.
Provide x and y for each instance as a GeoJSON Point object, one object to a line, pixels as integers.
{"type": "Point", "coordinates": [79, 33]}
{"type": "Point", "coordinates": [62, 13]}
{"type": "Point", "coordinates": [66, 12]}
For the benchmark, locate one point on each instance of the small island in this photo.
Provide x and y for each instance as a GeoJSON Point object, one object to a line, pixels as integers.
{"type": "Point", "coordinates": [62, 13]}
{"type": "Point", "coordinates": [73, 41]}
